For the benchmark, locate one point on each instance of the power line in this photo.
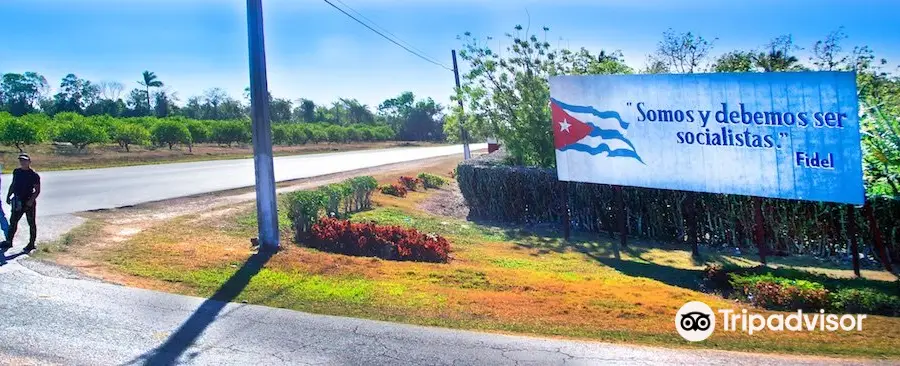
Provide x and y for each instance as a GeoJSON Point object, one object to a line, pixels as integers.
{"type": "Point", "coordinates": [423, 57]}
{"type": "Point", "coordinates": [348, 7]}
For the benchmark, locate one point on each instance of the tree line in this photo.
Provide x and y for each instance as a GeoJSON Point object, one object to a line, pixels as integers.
{"type": "Point", "coordinates": [83, 131]}
{"type": "Point", "coordinates": [29, 93]}
{"type": "Point", "coordinates": [506, 96]}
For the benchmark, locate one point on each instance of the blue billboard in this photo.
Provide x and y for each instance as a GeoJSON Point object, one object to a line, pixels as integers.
{"type": "Point", "coordinates": [792, 135]}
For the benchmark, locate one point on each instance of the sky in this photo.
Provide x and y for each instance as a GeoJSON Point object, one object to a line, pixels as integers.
{"type": "Point", "coordinates": [313, 51]}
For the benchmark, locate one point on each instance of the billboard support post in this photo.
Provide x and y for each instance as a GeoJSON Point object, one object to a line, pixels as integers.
{"type": "Point", "coordinates": [567, 222]}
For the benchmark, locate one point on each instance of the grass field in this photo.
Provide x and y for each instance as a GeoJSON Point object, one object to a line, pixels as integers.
{"type": "Point", "coordinates": [499, 280]}
{"type": "Point", "coordinates": [47, 157]}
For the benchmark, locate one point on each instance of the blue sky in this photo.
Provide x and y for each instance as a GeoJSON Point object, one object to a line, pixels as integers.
{"type": "Point", "coordinates": [316, 52]}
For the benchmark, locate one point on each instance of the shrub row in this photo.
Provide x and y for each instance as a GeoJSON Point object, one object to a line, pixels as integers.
{"type": "Point", "coordinates": [530, 196]}
{"type": "Point", "coordinates": [371, 240]}
{"type": "Point", "coordinates": [788, 290]}
{"type": "Point", "coordinates": [335, 200]}
{"type": "Point", "coordinates": [431, 181]}
{"type": "Point", "coordinates": [82, 131]}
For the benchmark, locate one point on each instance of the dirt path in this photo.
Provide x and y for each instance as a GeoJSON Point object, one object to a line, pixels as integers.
{"type": "Point", "coordinates": [106, 229]}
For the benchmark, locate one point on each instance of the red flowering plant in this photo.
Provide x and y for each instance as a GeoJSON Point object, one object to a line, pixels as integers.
{"type": "Point", "coordinates": [394, 190]}
{"type": "Point", "coordinates": [371, 240]}
{"type": "Point", "coordinates": [409, 182]}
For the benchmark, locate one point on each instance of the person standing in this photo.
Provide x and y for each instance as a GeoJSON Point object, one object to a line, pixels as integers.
{"type": "Point", "coordinates": [4, 224]}
{"type": "Point", "coordinates": [22, 196]}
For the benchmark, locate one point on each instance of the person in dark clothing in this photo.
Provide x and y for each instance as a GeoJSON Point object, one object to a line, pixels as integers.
{"type": "Point", "coordinates": [22, 196]}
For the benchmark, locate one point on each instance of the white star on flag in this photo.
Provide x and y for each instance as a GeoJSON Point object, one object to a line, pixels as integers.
{"type": "Point", "coordinates": [564, 125]}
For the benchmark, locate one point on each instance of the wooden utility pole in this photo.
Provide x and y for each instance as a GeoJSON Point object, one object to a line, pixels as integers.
{"type": "Point", "coordinates": [462, 131]}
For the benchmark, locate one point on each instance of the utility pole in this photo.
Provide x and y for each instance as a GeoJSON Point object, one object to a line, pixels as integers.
{"type": "Point", "coordinates": [462, 131]}
{"type": "Point", "coordinates": [266, 207]}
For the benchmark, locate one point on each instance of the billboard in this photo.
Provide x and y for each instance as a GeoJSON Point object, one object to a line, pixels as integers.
{"type": "Point", "coordinates": [792, 135]}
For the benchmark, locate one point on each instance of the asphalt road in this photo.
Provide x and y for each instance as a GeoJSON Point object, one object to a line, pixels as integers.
{"type": "Point", "coordinates": [48, 316]}
{"type": "Point", "coordinates": [66, 192]}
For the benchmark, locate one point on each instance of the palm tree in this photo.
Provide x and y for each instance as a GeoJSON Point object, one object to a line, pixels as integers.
{"type": "Point", "coordinates": [150, 81]}
{"type": "Point", "coordinates": [776, 60]}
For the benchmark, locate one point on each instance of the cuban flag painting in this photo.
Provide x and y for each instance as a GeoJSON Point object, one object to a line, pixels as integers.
{"type": "Point", "coordinates": [588, 130]}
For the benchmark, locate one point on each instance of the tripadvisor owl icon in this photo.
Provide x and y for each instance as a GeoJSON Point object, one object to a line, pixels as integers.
{"type": "Point", "coordinates": [695, 321]}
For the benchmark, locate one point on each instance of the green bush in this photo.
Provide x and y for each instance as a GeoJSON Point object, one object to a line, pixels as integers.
{"type": "Point", "coordinates": [792, 289]}
{"type": "Point", "coordinates": [432, 181]}
{"type": "Point", "coordinates": [865, 300]}
{"type": "Point", "coordinates": [20, 132]}
{"type": "Point", "coordinates": [200, 131]}
{"type": "Point", "coordinates": [280, 135]}
{"type": "Point", "coordinates": [336, 194]}
{"type": "Point", "coordinates": [81, 134]}
{"type": "Point", "coordinates": [230, 132]}
{"type": "Point", "coordinates": [318, 135]}
{"type": "Point", "coordinates": [362, 188]}
{"type": "Point", "coordinates": [304, 208]}
{"type": "Point", "coordinates": [770, 292]}
{"type": "Point", "coordinates": [126, 134]}
{"type": "Point", "coordinates": [171, 132]}
{"type": "Point", "coordinates": [336, 133]}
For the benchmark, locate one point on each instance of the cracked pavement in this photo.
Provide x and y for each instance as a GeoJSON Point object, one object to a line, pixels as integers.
{"type": "Point", "coordinates": [53, 317]}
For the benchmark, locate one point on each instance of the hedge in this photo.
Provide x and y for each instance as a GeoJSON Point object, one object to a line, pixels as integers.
{"type": "Point", "coordinates": [334, 200]}
{"type": "Point", "coordinates": [81, 131]}
{"type": "Point", "coordinates": [531, 196]}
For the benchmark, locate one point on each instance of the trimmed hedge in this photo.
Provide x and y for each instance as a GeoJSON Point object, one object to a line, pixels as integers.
{"type": "Point", "coordinates": [431, 181]}
{"type": "Point", "coordinates": [529, 196]}
{"type": "Point", "coordinates": [371, 240]}
{"type": "Point", "coordinates": [335, 200]}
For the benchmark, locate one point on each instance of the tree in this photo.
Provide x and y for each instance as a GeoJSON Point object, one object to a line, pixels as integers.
{"type": "Point", "coordinates": [74, 95]}
{"type": "Point", "coordinates": [138, 103]}
{"type": "Point", "coordinates": [779, 56]}
{"type": "Point", "coordinates": [150, 81]}
{"type": "Point", "coordinates": [22, 131]}
{"type": "Point", "coordinates": [734, 61]}
{"type": "Point", "coordinates": [22, 92]}
{"type": "Point", "coordinates": [82, 133]}
{"type": "Point", "coordinates": [306, 111]}
{"type": "Point", "coordinates": [683, 52]}
{"type": "Point", "coordinates": [110, 90]}
{"type": "Point", "coordinates": [164, 105]}
{"type": "Point", "coordinates": [827, 54]}
{"type": "Point", "coordinates": [127, 134]}
{"type": "Point", "coordinates": [356, 112]}
{"type": "Point", "coordinates": [171, 132]}
{"type": "Point", "coordinates": [280, 110]}
{"type": "Point", "coordinates": [200, 132]}
{"type": "Point", "coordinates": [230, 132]}
{"type": "Point", "coordinates": [509, 95]}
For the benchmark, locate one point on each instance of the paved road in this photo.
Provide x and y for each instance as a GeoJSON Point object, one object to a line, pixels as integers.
{"type": "Point", "coordinates": [67, 192]}
{"type": "Point", "coordinates": [49, 317]}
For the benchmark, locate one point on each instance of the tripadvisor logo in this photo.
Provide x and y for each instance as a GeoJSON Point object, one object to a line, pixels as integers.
{"type": "Point", "coordinates": [696, 321]}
